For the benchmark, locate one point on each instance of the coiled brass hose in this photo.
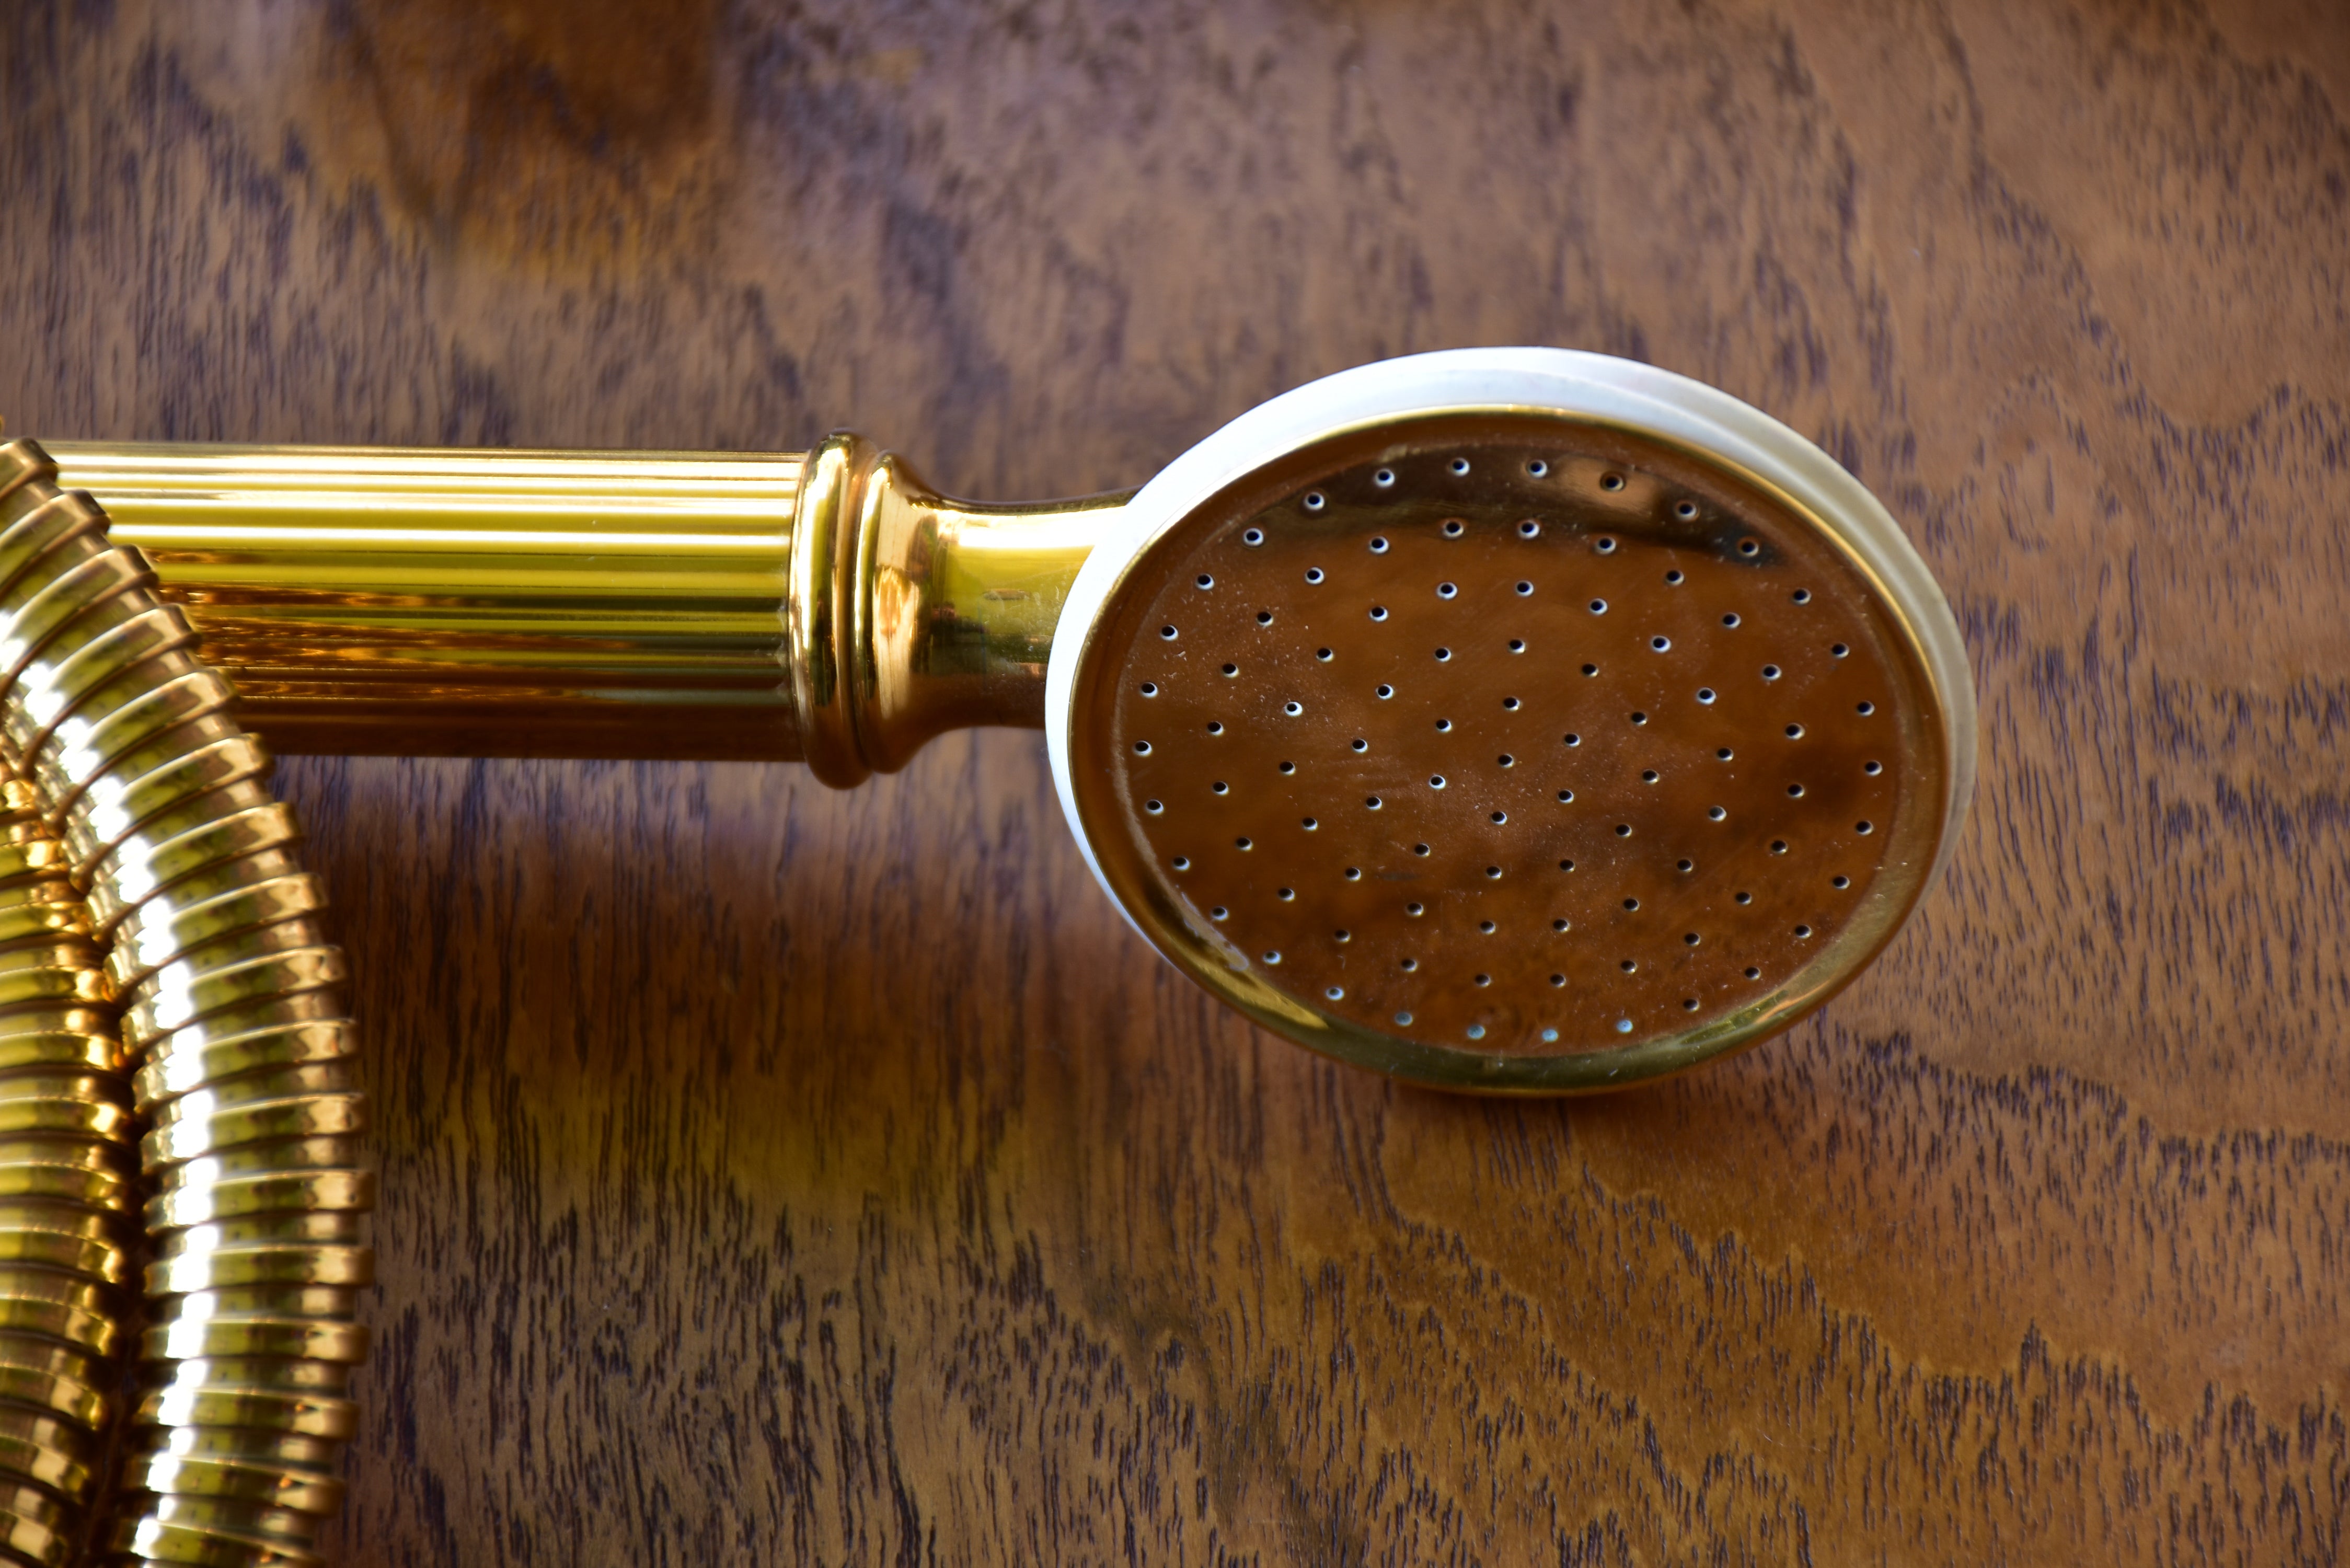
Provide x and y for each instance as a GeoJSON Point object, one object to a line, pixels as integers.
{"type": "Point", "coordinates": [161, 961]}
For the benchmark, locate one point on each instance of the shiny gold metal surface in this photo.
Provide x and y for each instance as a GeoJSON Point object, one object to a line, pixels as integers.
{"type": "Point", "coordinates": [125, 777]}
{"type": "Point", "coordinates": [576, 604]}
{"type": "Point", "coordinates": [1511, 752]}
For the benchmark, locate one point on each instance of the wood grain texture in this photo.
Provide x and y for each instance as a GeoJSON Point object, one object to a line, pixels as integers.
{"type": "Point", "coordinates": [775, 1176]}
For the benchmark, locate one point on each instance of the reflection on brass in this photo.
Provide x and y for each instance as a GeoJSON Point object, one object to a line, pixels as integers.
{"type": "Point", "coordinates": [160, 962]}
{"type": "Point", "coordinates": [1511, 754]}
{"type": "Point", "coordinates": [614, 605]}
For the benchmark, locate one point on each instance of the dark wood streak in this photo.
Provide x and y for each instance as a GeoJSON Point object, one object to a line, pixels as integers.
{"type": "Point", "coordinates": [777, 1176]}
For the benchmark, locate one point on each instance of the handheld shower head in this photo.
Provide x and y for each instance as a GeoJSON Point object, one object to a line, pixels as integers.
{"type": "Point", "coordinates": [1510, 720]}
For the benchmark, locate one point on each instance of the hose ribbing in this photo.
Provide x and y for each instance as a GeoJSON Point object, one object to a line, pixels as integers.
{"type": "Point", "coordinates": [155, 923]}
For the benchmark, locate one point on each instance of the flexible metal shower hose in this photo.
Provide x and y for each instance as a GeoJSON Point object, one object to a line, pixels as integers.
{"type": "Point", "coordinates": [161, 966]}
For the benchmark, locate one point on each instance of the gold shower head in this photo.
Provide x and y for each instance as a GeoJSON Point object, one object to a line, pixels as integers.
{"type": "Point", "coordinates": [1510, 720]}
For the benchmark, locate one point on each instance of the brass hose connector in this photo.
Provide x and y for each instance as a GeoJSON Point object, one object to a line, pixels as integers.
{"type": "Point", "coordinates": [155, 923]}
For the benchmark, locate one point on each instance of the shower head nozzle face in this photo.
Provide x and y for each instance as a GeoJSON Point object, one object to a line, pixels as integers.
{"type": "Point", "coordinates": [1512, 749]}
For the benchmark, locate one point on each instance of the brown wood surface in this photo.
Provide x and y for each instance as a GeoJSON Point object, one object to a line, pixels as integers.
{"type": "Point", "coordinates": [776, 1175]}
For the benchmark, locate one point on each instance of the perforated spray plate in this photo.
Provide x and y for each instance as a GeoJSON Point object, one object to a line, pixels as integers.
{"type": "Point", "coordinates": [1509, 751]}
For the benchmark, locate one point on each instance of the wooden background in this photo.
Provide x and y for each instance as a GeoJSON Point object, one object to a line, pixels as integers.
{"type": "Point", "coordinates": [775, 1176]}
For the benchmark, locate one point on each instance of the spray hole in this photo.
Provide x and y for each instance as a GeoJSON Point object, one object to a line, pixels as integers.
{"type": "Point", "coordinates": [1753, 973]}
{"type": "Point", "coordinates": [1689, 1003]}
{"type": "Point", "coordinates": [1342, 934]}
{"type": "Point", "coordinates": [1384, 478]}
{"type": "Point", "coordinates": [1723, 753]}
{"type": "Point", "coordinates": [1273, 956]}
{"type": "Point", "coordinates": [1795, 732]}
{"type": "Point", "coordinates": [1354, 873]}
{"type": "Point", "coordinates": [1379, 546]}
{"type": "Point", "coordinates": [1623, 830]}
{"type": "Point", "coordinates": [1141, 748]}
{"type": "Point", "coordinates": [1864, 828]}
{"type": "Point", "coordinates": [1378, 612]}
{"type": "Point", "coordinates": [1447, 590]}
{"type": "Point", "coordinates": [1591, 670]}
{"type": "Point", "coordinates": [1524, 588]}
{"type": "Point", "coordinates": [1538, 468]}
{"type": "Point", "coordinates": [1839, 651]}
{"type": "Point", "coordinates": [1325, 655]}
{"type": "Point", "coordinates": [1554, 979]}
{"type": "Point", "coordinates": [1486, 926]}
{"type": "Point", "coordinates": [1493, 873]}
{"type": "Point", "coordinates": [1313, 574]}
{"type": "Point", "coordinates": [1286, 895]}
{"type": "Point", "coordinates": [1384, 692]}
{"type": "Point", "coordinates": [1705, 694]}
{"type": "Point", "coordinates": [1335, 992]}
{"type": "Point", "coordinates": [1150, 689]}
{"type": "Point", "coordinates": [1684, 865]}
{"type": "Point", "coordinates": [1770, 672]}
{"type": "Point", "coordinates": [1611, 482]}
{"type": "Point", "coordinates": [1598, 606]}
{"type": "Point", "coordinates": [1560, 926]}
{"type": "Point", "coordinates": [1839, 883]}
{"type": "Point", "coordinates": [1480, 980]}
{"type": "Point", "coordinates": [1154, 807]}
{"type": "Point", "coordinates": [1219, 913]}
{"type": "Point", "coordinates": [1691, 938]}
{"type": "Point", "coordinates": [1685, 511]}
{"type": "Point", "coordinates": [1566, 796]}
{"type": "Point", "coordinates": [1420, 849]}
{"type": "Point", "coordinates": [1264, 617]}
{"type": "Point", "coordinates": [1778, 846]}
{"type": "Point", "coordinates": [1865, 708]}
{"type": "Point", "coordinates": [1517, 645]}
{"type": "Point", "coordinates": [1510, 703]}
{"type": "Point", "coordinates": [1415, 910]}
{"type": "Point", "coordinates": [1795, 792]}
{"type": "Point", "coordinates": [1360, 744]}
{"type": "Point", "coordinates": [1436, 781]}
{"type": "Point", "coordinates": [1715, 813]}
{"type": "Point", "coordinates": [1215, 726]}
{"type": "Point", "coordinates": [1308, 823]}
{"type": "Point", "coordinates": [1204, 581]}
{"type": "Point", "coordinates": [1631, 903]}
{"type": "Point", "coordinates": [1674, 577]}
{"type": "Point", "coordinates": [1872, 769]}
{"type": "Point", "coordinates": [1243, 844]}
{"type": "Point", "coordinates": [1630, 966]}
{"type": "Point", "coordinates": [1168, 632]}
{"type": "Point", "coordinates": [1371, 802]}
{"type": "Point", "coordinates": [1661, 643]}
{"type": "Point", "coordinates": [1566, 865]}
{"type": "Point", "coordinates": [1529, 529]}
{"type": "Point", "coordinates": [1444, 726]}
{"type": "Point", "coordinates": [1183, 863]}
{"type": "Point", "coordinates": [1293, 709]}
{"type": "Point", "coordinates": [1505, 761]}
{"type": "Point", "coordinates": [1453, 527]}
{"type": "Point", "coordinates": [1649, 775]}
{"type": "Point", "coordinates": [1803, 930]}
{"type": "Point", "coordinates": [1460, 465]}
{"type": "Point", "coordinates": [1315, 501]}
{"type": "Point", "coordinates": [1253, 537]}
{"type": "Point", "coordinates": [1803, 596]}
{"type": "Point", "coordinates": [1572, 739]}
{"type": "Point", "coordinates": [1231, 671]}
{"type": "Point", "coordinates": [1403, 1018]}
{"type": "Point", "coordinates": [1443, 655]}
{"type": "Point", "coordinates": [1729, 619]}
{"type": "Point", "coordinates": [1640, 718]}
{"type": "Point", "coordinates": [1744, 898]}
{"type": "Point", "coordinates": [1749, 547]}
{"type": "Point", "coordinates": [1500, 816]}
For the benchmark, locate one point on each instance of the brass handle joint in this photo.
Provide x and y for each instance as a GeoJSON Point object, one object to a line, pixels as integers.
{"type": "Point", "coordinates": [910, 614]}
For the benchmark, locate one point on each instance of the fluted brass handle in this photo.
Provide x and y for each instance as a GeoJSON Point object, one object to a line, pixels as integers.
{"type": "Point", "coordinates": [828, 608]}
